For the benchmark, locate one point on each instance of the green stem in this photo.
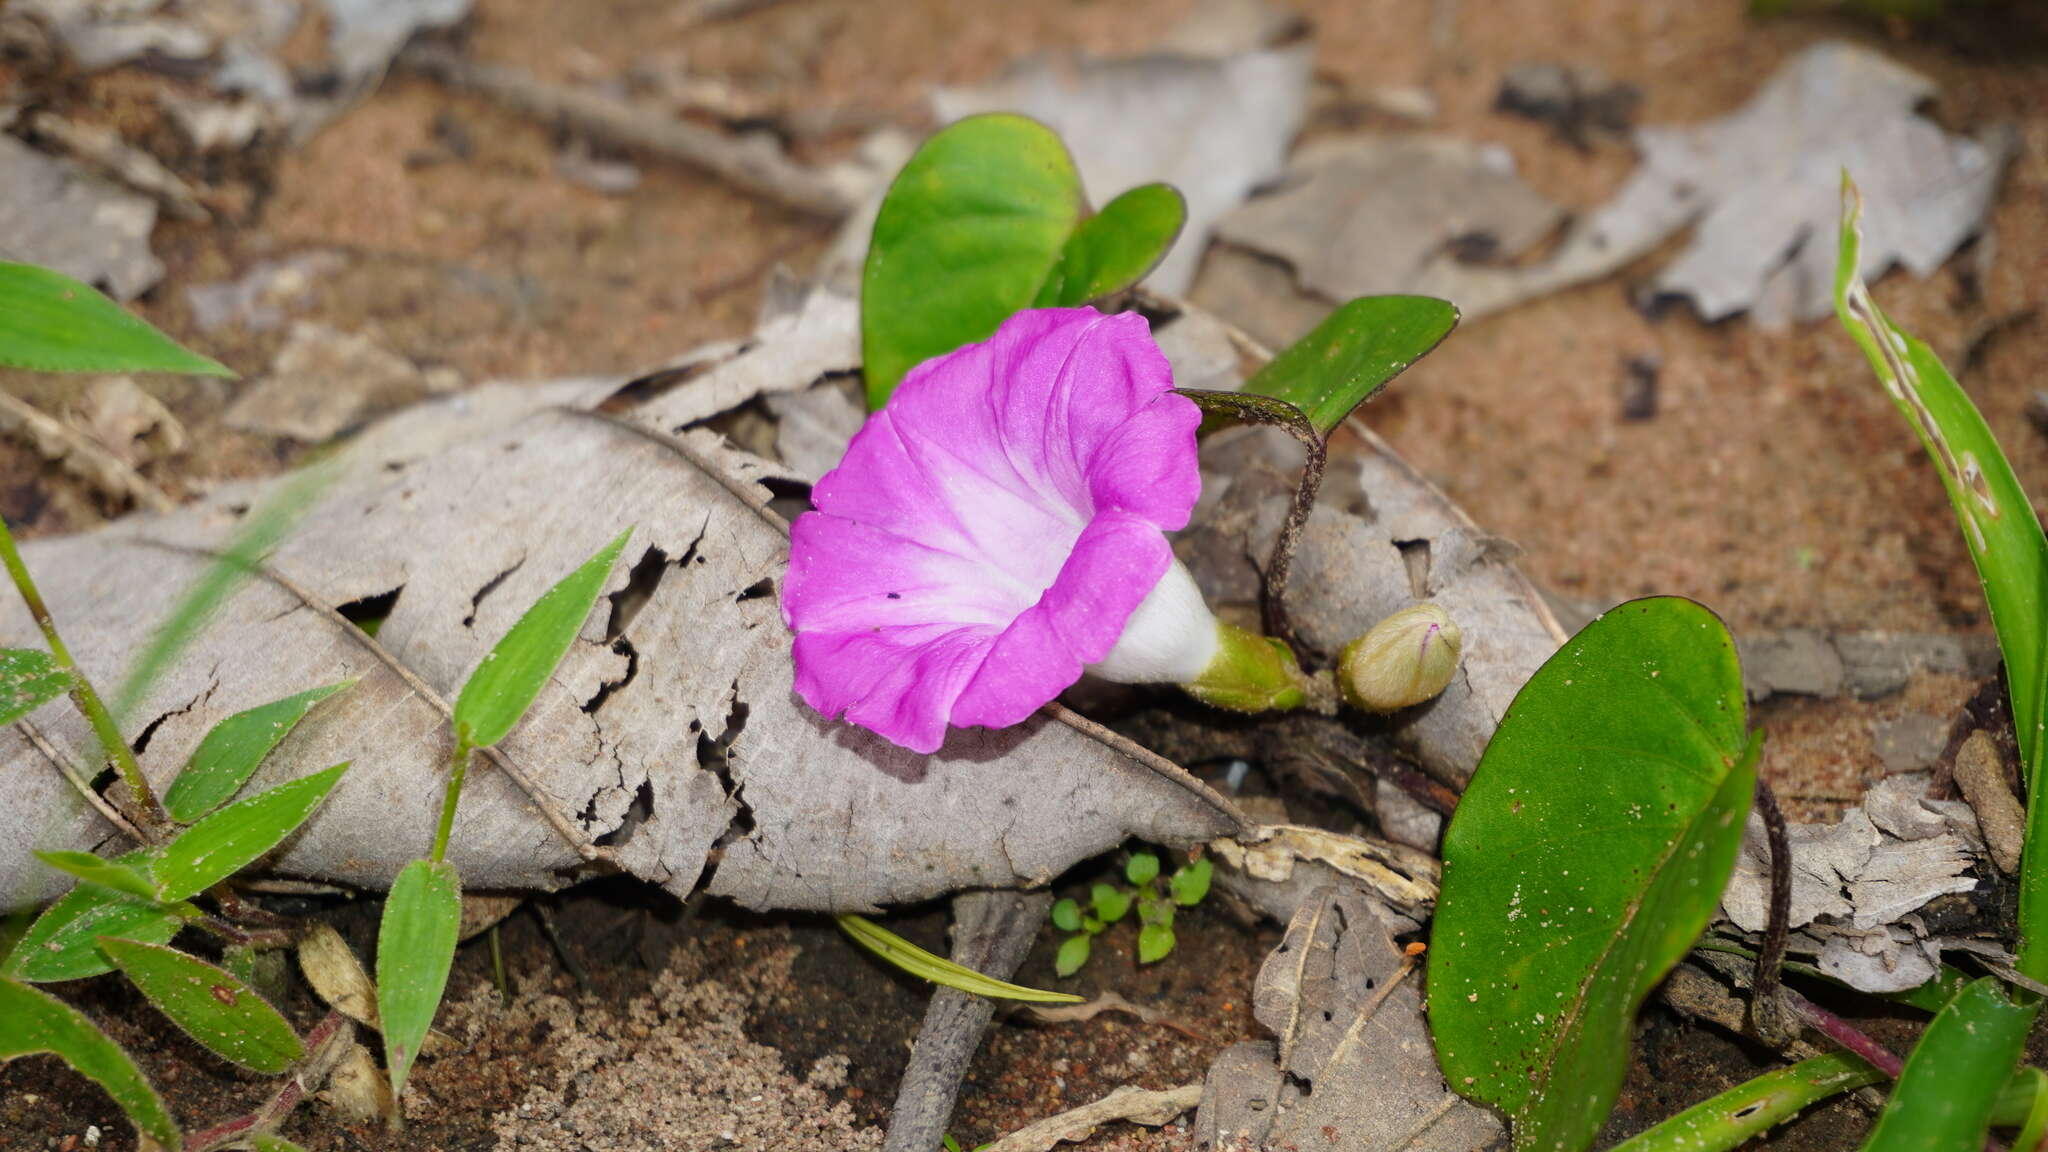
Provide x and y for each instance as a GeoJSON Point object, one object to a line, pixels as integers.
{"type": "Point", "coordinates": [82, 693]}
{"type": "Point", "coordinates": [458, 767]}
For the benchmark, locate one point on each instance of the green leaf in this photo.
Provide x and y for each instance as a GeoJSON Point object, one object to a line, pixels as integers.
{"type": "Point", "coordinates": [222, 1013]}
{"type": "Point", "coordinates": [937, 969]}
{"type": "Point", "coordinates": [115, 874]}
{"type": "Point", "coordinates": [231, 839]}
{"type": "Point", "coordinates": [1154, 942]}
{"type": "Point", "coordinates": [1586, 856]}
{"type": "Point", "coordinates": [1142, 868]}
{"type": "Point", "coordinates": [966, 236]}
{"type": "Point", "coordinates": [1353, 353]}
{"type": "Point", "coordinates": [63, 942]}
{"type": "Point", "coordinates": [2034, 1125]}
{"type": "Point", "coordinates": [415, 948]}
{"type": "Point", "coordinates": [1191, 882]}
{"type": "Point", "coordinates": [1066, 915]}
{"type": "Point", "coordinates": [246, 551]}
{"type": "Point", "coordinates": [1072, 955]}
{"type": "Point", "coordinates": [29, 679]}
{"type": "Point", "coordinates": [1115, 248]}
{"type": "Point", "coordinates": [32, 1021]}
{"type": "Point", "coordinates": [1999, 527]}
{"type": "Point", "coordinates": [1955, 1074]}
{"type": "Point", "coordinates": [52, 323]}
{"type": "Point", "coordinates": [1752, 1108]}
{"type": "Point", "coordinates": [501, 689]}
{"type": "Point", "coordinates": [231, 752]}
{"type": "Point", "coordinates": [1110, 902]}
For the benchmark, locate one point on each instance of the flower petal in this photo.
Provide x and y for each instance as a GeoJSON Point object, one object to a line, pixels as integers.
{"type": "Point", "coordinates": [1113, 567]}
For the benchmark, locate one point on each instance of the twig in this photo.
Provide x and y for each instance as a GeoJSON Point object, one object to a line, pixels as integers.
{"type": "Point", "coordinates": [80, 455]}
{"type": "Point", "coordinates": [326, 1044]}
{"type": "Point", "coordinates": [991, 933]}
{"type": "Point", "coordinates": [1842, 1032]}
{"type": "Point", "coordinates": [76, 776]}
{"type": "Point", "coordinates": [1112, 1002]}
{"type": "Point", "coordinates": [1137, 1105]}
{"type": "Point", "coordinates": [103, 148]}
{"type": "Point", "coordinates": [754, 165]}
{"type": "Point", "coordinates": [1766, 1011]}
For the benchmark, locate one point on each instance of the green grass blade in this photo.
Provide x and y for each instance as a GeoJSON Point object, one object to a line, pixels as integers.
{"type": "Point", "coordinates": [243, 558]}
{"type": "Point", "coordinates": [52, 323]}
{"type": "Point", "coordinates": [62, 944]}
{"type": "Point", "coordinates": [115, 874]}
{"type": "Point", "coordinates": [231, 752]}
{"type": "Point", "coordinates": [415, 948]}
{"type": "Point", "coordinates": [234, 837]}
{"type": "Point", "coordinates": [1352, 354]}
{"type": "Point", "coordinates": [939, 970]}
{"type": "Point", "coordinates": [211, 1006]}
{"type": "Point", "coordinates": [1754, 1107]}
{"type": "Point", "coordinates": [32, 1021]}
{"type": "Point", "coordinates": [1999, 527]}
{"type": "Point", "coordinates": [504, 686]}
{"type": "Point", "coordinates": [1588, 853]}
{"type": "Point", "coordinates": [29, 679]}
{"type": "Point", "coordinates": [1955, 1074]}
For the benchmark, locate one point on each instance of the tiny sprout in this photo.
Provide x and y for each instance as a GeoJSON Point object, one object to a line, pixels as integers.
{"type": "Point", "coordinates": [1066, 916]}
{"type": "Point", "coordinates": [1142, 869]}
{"type": "Point", "coordinates": [1072, 954]}
{"type": "Point", "coordinates": [1405, 659]}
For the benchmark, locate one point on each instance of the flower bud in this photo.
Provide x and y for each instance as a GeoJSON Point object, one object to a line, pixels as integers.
{"type": "Point", "coordinates": [1250, 673]}
{"type": "Point", "coordinates": [1404, 660]}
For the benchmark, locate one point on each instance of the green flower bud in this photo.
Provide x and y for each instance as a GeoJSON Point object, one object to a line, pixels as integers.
{"type": "Point", "coordinates": [1406, 659]}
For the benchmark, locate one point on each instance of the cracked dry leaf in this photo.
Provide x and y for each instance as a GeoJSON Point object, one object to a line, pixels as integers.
{"type": "Point", "coordinates": [54, 214]}
{"type": "Point", "coordinates": [1215, 128]}
{"type": "Point", "coordinates": [670, 728]}
{"type": "Point", "coordinates": [1355, 1066]}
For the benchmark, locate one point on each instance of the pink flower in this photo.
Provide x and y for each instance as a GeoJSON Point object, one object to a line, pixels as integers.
{"type": "Point", "coordinates": [998, 528]}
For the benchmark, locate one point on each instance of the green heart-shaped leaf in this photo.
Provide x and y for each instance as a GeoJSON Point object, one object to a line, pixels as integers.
{"type": "Point", "coordinates": [1586, 856]}
{"type": "Point", "coordinates": [1352, 354]}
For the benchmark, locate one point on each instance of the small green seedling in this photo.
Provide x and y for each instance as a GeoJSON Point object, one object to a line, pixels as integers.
{"type": "Point", "coordinates": [1109, 903]}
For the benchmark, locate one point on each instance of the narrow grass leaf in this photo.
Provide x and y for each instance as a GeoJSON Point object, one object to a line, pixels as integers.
{"type": "Point", "coordinates": [1586, 856]}
{"type": "Point", "coordinates": [966, 235]}
{"type": "Point", "coordinates": [231, 752]}
{"type": "Point", "coordinates": [243, 557]}
{"type": "Point", "coordinates": [1999, 527]}
{"type": "Point", "coordinates": [32, 1021]}
{"type": "Point", "coordinates": [1954, 1076]}
{"type": "Point", "coordinates": [29, 679]}
{"type": "Point", "coordinates": [415, 948]}
{"type": "Point", "coordinates": [231, 839]}
{"type": "Point", "coordinates": [939, 970]}
{"type": "Point", "coordinates": [115, 874]}
{"type": "Point", "coordinates": [210, 1005]}
{"type": "Point", "coordinates": [1352, 354]}
{"type": "Point", "coordinates": [1750, 1109]}
{"type": "Point", "coordinates": [1115, 248]}
{"type": "Point", "coordinates": [52, 323]}
{"type": "Point", "coordinates": [504, 686]}
{"type": "Point", "coordinates": [62, 944]}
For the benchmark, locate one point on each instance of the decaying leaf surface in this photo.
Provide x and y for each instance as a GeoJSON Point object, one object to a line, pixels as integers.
{"type": "Point", "coordinates": [1760, 185]}
{"type": "Point", "coordinates": [669, 728]}
{"type": "Point", "coordinates": [1215, 128]}
{"type": "Point", "coordinates": [1355, 1061]}
{"type": "Point", "coordinates": [1371, 215]}
{"type": "Point", "coordinates": [87, 228]}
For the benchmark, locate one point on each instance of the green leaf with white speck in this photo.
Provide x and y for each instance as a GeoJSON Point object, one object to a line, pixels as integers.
{"type": "Point", "coordinates": [415, 948]}
{"type": "Point", "coordinates": [230, 753]}
{"type": "Point", "coordinates": [234, 837]}
{"type": "Point", "coordinates": [32, 1021]}
{"type": "Point", "coordinates": [62, 944]}
{"type": "Point", "coordinates": [1586, 856]}
{"type": "Point", "coordinates": [211, 1006]}
{"type": "Point", "coordinates": [29, 679]}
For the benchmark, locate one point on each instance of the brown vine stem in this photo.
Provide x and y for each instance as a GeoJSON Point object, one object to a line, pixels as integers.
{"type": "Point", "coordinates": [1766, 1009]}
{"type": "Point", "coordinates": [82, 693]}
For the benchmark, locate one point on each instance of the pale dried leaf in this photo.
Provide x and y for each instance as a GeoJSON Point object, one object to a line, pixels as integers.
{"type": "Point", "coordinates": [1125, 1102]}
{"type": "Point", "coordinates": [55, 215]}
